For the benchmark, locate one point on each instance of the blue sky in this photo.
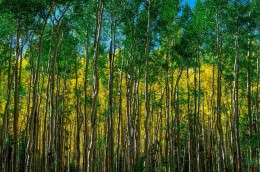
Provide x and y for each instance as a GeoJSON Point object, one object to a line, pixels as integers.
{"type": "Point", "coordinates": [191, 3]}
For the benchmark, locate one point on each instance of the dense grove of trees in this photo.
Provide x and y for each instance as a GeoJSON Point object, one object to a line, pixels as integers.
{"type": "Point", "coordinates": [129, 85]}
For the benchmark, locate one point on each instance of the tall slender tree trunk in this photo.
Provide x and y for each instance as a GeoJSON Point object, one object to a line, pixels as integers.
{"type": "Point", "coordinates": [256, 118]}
{"type": "Point", "coordinates": [110, 151]}
{"type": "Point", "coordinates": [167, 112]}
{"type": "Point", "coordinates": [118, 150]}
{"type": "Point", "coordinates": [200, 148]}
{"type": "Point", "coordinates": [172, 125]}
{"type": "Point", "coordinates": [52, 126]}
{"type": "Point", "coordinates": [78, 120]}
{"type": "Point", "coordinates": [195, 124]}
{"type": "Point", "coordinates": [177, 118]}
{"type": "Point", "coordinates": [147, 104]}
{"type": "Point", "coordinates": [34, 115]}
{"type": "Point", "coordinates": [249, 104]}
{"type": "Point", "coordinates": [221, 152]}
{"type": "Point", "coordinates": [16, 97]}
{"type": "Point", "coordinates": [236, 149]}
{"type": "Point", "coordinates": [47, 105]}
{"type": "Point", "coordinates": [5, 162]}
{"type": "Point", "coordinates": [190, 147]}
{"type": "Point", "coordinates": [137, 118]}
{"type": "Point", "coordinates": [85, 144]}
{"type": "Point", "coordinates": [93, 112]}
{"type": "Point", "coordinates": [58, 122]}
{"type": "Point", "coordinates": [168, 128]}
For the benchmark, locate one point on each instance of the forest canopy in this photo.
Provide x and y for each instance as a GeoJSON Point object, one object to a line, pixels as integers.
{"type": "Point", "coordinates": [129, 85]}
